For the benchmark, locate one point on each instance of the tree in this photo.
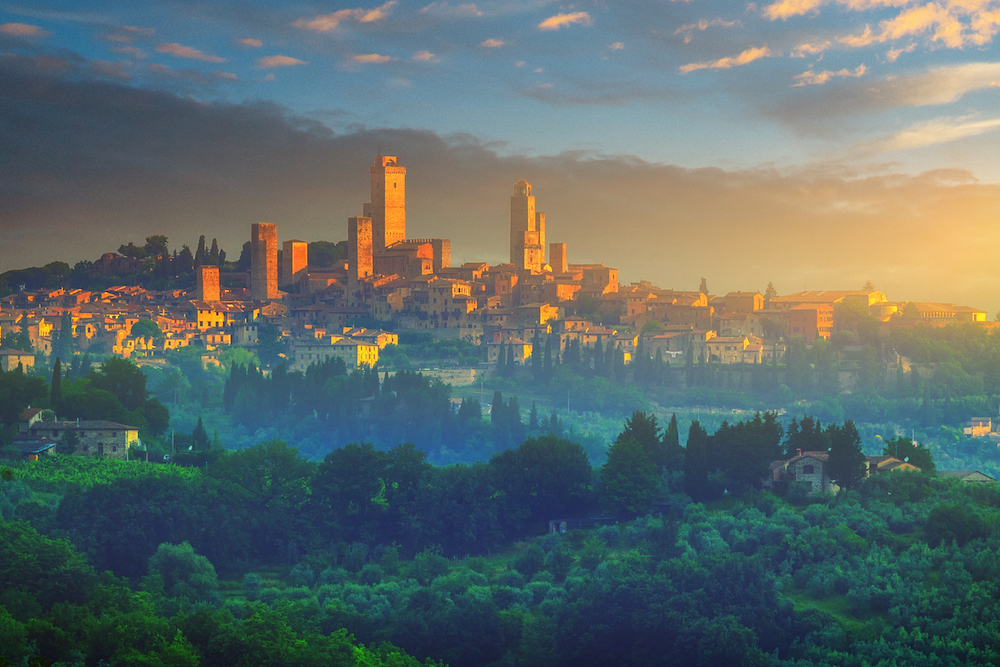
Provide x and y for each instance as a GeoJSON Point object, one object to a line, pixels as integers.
{"type": "Point", "coordinates": [696, 462]}
{"type": "Point", "coordinates": [868, 286]}
{"type": "Point", "coordinates": [846, 465]}
{"type": "Point", "coordinates": [629, 480]}
{"type": "Point", "coordinates": [183, 572]}
{"type": "Point", "coordinates": [672, 445]}
{"type": "Point", "coordinates": [770, 292]}
{"type": "Point", "coordinates": [123, 379]}
{"type": "Point", "coordinates": [156, 245]}
{"type": "Point", "coordinates": [906, 450]}
{"type": "Point", "coordinates": [65, 343]}
{"type": "Point", "coordinates": [146, 329]}
{"type": "Point", "coordinates": [643, 428]}
{"type": "Point", "coordinates": [55, 389]}
{"type": "Point", "coordinates": [69, 442]}
{"type": "Point", "coordinates": [200, 436]}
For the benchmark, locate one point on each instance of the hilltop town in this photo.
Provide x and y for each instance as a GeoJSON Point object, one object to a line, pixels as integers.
{"type": "Point", "coordinates": [389, 283]}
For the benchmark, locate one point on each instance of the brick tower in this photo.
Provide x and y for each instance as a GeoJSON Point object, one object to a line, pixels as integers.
{"type": "Point", "coordinates": [264, 261]}
{"type": "Point", "coordinates": [388, 202]}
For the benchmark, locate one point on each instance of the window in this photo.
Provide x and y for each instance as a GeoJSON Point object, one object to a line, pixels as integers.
{"type": "Point", "coordinates": [808, 470]}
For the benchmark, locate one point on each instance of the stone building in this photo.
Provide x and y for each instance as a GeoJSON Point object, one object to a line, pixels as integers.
{"type": "Point", "coordinates": [98, 438]}
{"type": "Point", "coordinates": [208, 284]}
{"type": "Point", "coordinates": [264, 261]}
{"type": "Point", "coordinates": [294, 261]}
{"type": "Point", "coordinates": [527, 230]}
{"type": "Point", "coordinates": [387, 208]}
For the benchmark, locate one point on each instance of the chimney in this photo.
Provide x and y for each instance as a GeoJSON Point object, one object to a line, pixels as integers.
{"type": "Point", "coordinates": [799, 450]}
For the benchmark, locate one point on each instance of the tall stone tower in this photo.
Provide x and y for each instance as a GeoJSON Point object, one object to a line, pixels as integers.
{"type": "Point", "coordinates": [294, 261]}
{"type": "Point", "coordinates": [526, 249]}
{"type": "Point", "coordinates": [359, 248]}
{"type": "Point", "coordinates": [557, 257]}
{"type": "Point", "coordinates": [387, 208]}
{"type": "Point", "coordinates": [208, 283]}
{"type": "Point", "coordinates": [263, 261]}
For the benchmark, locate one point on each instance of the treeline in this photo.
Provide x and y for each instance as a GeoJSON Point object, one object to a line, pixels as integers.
{"type": "Point", "coordinates": [327, 405]}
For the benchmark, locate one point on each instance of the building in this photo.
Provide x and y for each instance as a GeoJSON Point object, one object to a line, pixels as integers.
{"type": "Point", "coordinates": [208, 284]}
{"type": "Point", "coordinates": [11, 359]}
{"type": "Point", "coordinates": [387, 207]}
{"type": "Point", "coordinates": [97, 438]}
{"type": "Point", "coordinates": [263, 261]}
{"type": "Point", "coordinates": [360, 262]}
{"type": "Point", "coordinates": [294, 261]}
{"type": "Point", "coordinates": [557, 257]}
{"type": "Point", "coordinates": [527, 230]}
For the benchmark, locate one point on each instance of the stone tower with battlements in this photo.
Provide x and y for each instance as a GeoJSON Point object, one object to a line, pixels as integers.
{"type": "Point", "coordinates": [387, 208]}
{"type": "Point", "coordinates": [527, 230]}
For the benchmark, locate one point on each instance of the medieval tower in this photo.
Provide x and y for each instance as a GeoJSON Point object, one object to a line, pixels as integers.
{"type": "Point", "coordinates": [388, 202]}
{"type": "Point", "coordinates": [527, 230]}
{"type": "Point", "coordinates": [264, 261]}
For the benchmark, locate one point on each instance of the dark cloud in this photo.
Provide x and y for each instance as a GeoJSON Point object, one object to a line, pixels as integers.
{"type": "Point", "coordinates": [88, 164]}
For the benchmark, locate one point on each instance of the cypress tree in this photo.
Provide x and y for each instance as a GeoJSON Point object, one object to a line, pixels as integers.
{"type": "Point", "coordinates": [598, 357]}
{"type": "Point", "coordinates": [55, 391]}
{"type": "Point", "coordinates": [536, 356]}
{"type": "Point", "coordinates": [533, 418]}
{"type": "Point", "coordinates": [199, 436]}
{"type": "Point", "coordinates": [696, 463]}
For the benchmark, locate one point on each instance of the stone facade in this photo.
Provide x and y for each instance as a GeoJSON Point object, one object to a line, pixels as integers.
{"type": "Point", "coordinates": [294, 261]}
{"type": "Point", "coordinates": [98, 439]}
{"type": "Point", "coordinates": [264, 261]}
{"type": "Point", "coordinates": [387, 208]}
{"type": "Point", "coordinates": [527, 230]}
{"type": "Point", "coordinates": [208, 284]}
{"type": "Point", "coordinates": [557, 257]}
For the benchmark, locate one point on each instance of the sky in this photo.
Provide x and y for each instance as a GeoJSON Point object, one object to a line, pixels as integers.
{"type": "Point", "coordinates": [815, 144]}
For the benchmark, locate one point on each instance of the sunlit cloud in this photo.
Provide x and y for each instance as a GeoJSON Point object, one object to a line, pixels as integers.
{"type": "Point", "coordinates": [803, 50]}
{"type": "Point", "coordinates": [328, 22]}
{"type": "Point", "coordinates": [563, 20]}
{"type": "Point", "coordinates": [936, 131]}
{"type": "Point", "coordinates": [251, 43]}
{"type": "Point", "coordinates": [811, 78]}
{"type": "Point", "coordinates": [187, 52]}
{"type": "Point", "coordinates": [491, 43]}
{"type": "Point", "coordinates": [945, 85]}
{"type": "Point", "coordinates": [226, 76]}
{"type": "Point", "coordinates": [784, 9]}
{"type": "Point", "coordinates": [892, 54]}
{"type": "Point", "coordinates": [703, 25]}
{"type": "Point", "coordinates": [444, 9]}
{"type": "Point", "coordinates": [371, 59]}
{"type": "Point", "coordinates": [423, 55]}
{"type": "Point", "coordinates": [279, 61]}
{"type": "Point", "coordinates": [744, 58]}
{"type": "Point", "coordinates": [22, 30]}
{"type": "Point", "coordinates": [133, 51]}
{"type": "Point", "coordinates": [617, 46]}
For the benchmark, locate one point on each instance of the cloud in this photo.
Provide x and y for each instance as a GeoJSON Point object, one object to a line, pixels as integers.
{"type": "Point", "coordinates": [563, 20]}
{"type": "Point", "coordinates": [943, 85]}
{"type": "Point", "coordinates": [616, 46]}
{"type": "Point", "coordinates": [491, 43]}
{"type": "Point", "coordinates": [226, 76]}
{"type": "Point", "coordinates": [954, 24]}
{"type": "Point", "coordinates": [811, 78]}
{"type": "Point", "coordinates": [744, 58]}
{"type": "Point", "coordinates": [803, 50]}
{"type": "Point", "coordinates": [279, 61]}
{"type": "Point", "coordinates": [250, 43]}
{"type": "Point", "coordinates": [126, 34]}
{"type": "Point", "coordinates": [22, 30]}
{"type": "Point", "coordinates": [71, 193]}
{"type": "Point", "coordinates": [423, 56]}
{"type": "Point", "coordinates": [444, 9]}
{"type": "Point", "coordinates": [784, 9]}
{"type": "Point", "coordinates": [187, 52]}
{"type": "Point", "coordinates": [892, 54]}
{"type": "Point", "coordinates": [328, 22]}
{"type": "Point", "coordinates": [703, 25]}
{"type": "Point", "coordinates": [371, 59]}
{"type": "Point", "coordinates": [133, 51]}
{"type": "Point", "coordinates": [931, 132]}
